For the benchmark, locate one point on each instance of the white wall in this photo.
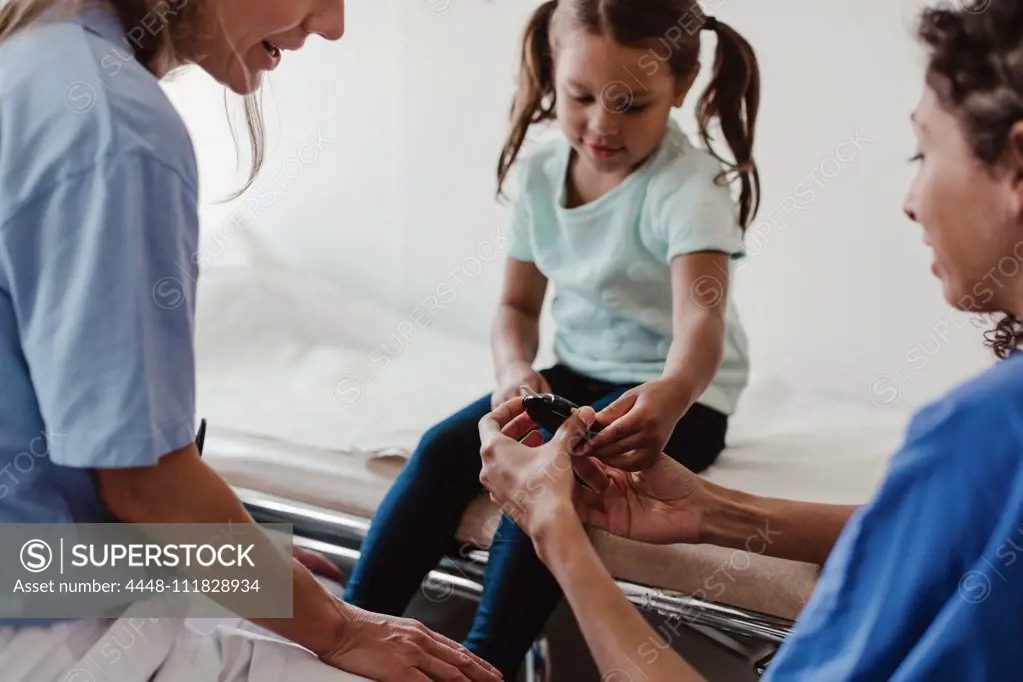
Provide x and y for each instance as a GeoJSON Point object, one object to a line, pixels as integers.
{"type": "Point", "coordinates": [328, 197]}
{"type": "Point", "coordinates": [837, 293]}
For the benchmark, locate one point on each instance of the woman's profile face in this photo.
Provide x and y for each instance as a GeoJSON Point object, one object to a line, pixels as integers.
{"type": "Point", "coordinates": [971, 213]}
{"type": "Point", "coordinates": [241, 40]}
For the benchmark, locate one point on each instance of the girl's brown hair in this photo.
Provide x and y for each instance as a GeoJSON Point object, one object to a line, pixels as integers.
{"type": "Point", "coordinates": [152, 47]}
{"type": "Point", "coordinates": [732, 97]}
{"type": "Point", "coordinates": [976, 70]}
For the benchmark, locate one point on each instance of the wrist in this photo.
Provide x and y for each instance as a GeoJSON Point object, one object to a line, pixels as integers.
{"type": "Point", "coordinates": [517, 365]}
{"type": "Point", "coordinates": [340, 629]}
{"type": "Point", "coordinates": [682, 390]}
{"type": "Point", "coordinates": [729, 517]}
{"type": "Point", "coordinates": [556, 531]}
{"type": "Point", "coordinates": [319, 622]}
{"type": "Point", "coordinates": [328, 620]}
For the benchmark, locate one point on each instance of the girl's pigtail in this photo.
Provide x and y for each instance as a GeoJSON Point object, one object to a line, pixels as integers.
{"type": "Point", "coordinates": [534, 101]}
{"type": "Point", "coordinates": [733, 97]}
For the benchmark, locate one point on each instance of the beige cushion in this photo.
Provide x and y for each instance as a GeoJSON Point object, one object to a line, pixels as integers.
{"type": "Point", "coordinates": [727, 576]}
{"type": "Point", "coordinates": [355, 482]}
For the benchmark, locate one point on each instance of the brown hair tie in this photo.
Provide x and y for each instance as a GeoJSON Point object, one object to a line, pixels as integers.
{"type": "Point", "coordinates": [711, 24]}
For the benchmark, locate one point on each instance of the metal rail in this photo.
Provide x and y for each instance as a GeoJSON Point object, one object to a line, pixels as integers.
{"type": "Point", "coordinates": [339, 536]}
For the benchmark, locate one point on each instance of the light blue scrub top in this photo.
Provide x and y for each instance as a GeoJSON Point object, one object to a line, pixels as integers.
{"type": "Point", "coordinates": [926, 581]}
{"type": "Point", "coordinates": [609, 261]}
{"type": "Point", "coordinates": [98, 236]}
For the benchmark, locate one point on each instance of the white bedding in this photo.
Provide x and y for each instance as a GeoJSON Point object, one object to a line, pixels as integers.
{"type": "Point", "coordinates": [289, 357]}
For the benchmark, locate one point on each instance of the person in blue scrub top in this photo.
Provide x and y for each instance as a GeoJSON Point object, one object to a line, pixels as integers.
{"type": "Point", "coordinates": [925, 582]}
{"type": "Point", "coordinates": [98, 270]}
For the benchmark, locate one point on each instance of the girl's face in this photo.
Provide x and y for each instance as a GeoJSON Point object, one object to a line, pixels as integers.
{"type": "Point", "coordinates": [971, 214]}
{"type": "Point", "coordinates": [613, 101]}
{"type": "Point", "coordinates": [241, 40]}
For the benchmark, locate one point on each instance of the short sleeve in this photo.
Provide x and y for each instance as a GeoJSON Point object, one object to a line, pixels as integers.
{"type": "Point", "coordinates": [897, 589]}
{"type": "Point", "coordinates": [695, 212]}
{"type": "Point", "coordinates": [520, 240]}
{"type": "Point", "coordinates": [101, 271]}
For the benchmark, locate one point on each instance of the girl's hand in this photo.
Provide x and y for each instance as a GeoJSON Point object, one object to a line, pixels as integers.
{"type": "Point", "coordinates": [531, 481]}
{"type": "Point", "coordinates": [512, 377]}
{"type": "Point", "coordinates": [664, 504]}
{"type": "Point", "coordinates": [639, 425]}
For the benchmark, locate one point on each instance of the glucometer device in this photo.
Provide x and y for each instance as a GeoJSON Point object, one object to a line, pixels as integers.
{"type": "Point", "coordinates": [550, 411]}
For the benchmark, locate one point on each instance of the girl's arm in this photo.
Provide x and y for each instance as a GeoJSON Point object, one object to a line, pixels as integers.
{"type": "Point", "coordinates": [699, 286]}
{"type": "Point", "coordinates": [515, 337]}
{"type": "Point", "coordinates": [640, 422]}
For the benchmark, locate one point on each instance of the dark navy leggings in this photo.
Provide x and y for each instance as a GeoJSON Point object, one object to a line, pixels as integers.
{"type": "Point", "coordinates": [416, 524]}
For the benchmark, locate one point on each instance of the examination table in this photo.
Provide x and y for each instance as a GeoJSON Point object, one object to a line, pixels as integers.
{"type": "Point", "coordinates": [314, 399]}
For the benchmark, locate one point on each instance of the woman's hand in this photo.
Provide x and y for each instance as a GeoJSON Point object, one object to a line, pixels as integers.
{"type": "Point", "coordinates": [391, 649]}
{"type": "Point", "coordinates": [513, 376]}
{"type": "Point", "coordinates": [665, 504]}
{"type": "Point", "coordinates": [638, 425]}
{"type": "Point", "coordinates": [530, 481]}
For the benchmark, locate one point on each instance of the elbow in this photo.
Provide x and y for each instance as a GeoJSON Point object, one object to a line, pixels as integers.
{"type": "Point", "coordinates": [145, 494]}
{"type": "Point", "coordinates": [523, 310]}
{"type": "Point", "coordinates": [497, 322]}
{"type": "Point", "coordinates": [121, 492]}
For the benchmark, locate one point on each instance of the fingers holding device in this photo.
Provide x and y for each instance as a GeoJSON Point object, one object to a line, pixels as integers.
{"type": "Point", "coordinates": [550, 411]}
{"type": "Point", "coordinates": [533, 485]}
{"type": "Point", "coordinates": [665, 503]}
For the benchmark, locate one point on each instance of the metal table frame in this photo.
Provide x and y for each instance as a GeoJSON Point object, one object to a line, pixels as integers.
{"type": "Point", "coordinates": [755, 636]}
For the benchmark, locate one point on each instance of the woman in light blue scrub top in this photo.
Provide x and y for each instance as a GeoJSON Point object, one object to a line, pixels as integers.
{"type": "Point", "coordinates": [923, 583]}
{"type": "Point", "coordinates": [98, 244]}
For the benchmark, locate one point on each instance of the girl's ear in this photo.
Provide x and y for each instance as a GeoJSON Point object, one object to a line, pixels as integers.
{"type": "Point", "coordinates": [685, 84]}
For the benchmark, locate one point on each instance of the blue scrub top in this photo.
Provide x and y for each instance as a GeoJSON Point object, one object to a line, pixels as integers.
{"type": "Point", "coordinates": [98, 236]}
{"type": "Point", "coordinates": [926, 581]}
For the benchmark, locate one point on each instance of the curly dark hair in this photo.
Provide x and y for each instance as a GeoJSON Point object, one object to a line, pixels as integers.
{"type": "Point", "coordinates": [976, 70]}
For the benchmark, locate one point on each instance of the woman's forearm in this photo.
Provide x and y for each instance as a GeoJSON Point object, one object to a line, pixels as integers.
{"type": "Point", "coordinates": [797, 531]}
{"type": "Point", "coordinates": [623, 643]}
{"type": "Point", "coordinates": [184, 489]}
{"type": "Point", "coordinates": [515, 338]}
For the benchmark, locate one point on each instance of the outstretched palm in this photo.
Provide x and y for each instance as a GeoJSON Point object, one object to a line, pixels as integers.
{"type": "Point", "coordinates": [663, 504]}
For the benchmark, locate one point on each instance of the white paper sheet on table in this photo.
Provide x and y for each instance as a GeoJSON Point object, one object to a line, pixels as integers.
{"type": "Point", "coordinates": [294, 358]}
